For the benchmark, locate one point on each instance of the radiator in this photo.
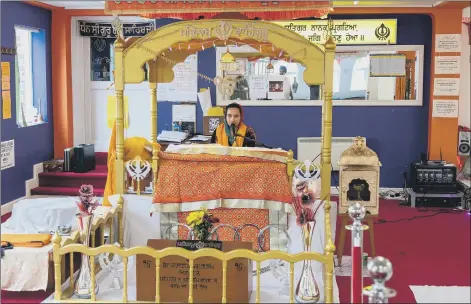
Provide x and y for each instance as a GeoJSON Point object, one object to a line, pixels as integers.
{"type": "Point", "coordinates": [310, 147]}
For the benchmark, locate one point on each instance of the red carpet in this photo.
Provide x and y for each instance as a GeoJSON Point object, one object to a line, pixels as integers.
{"type": "Point", "coordinates": [425, 248]}
{"type": "Point", "coordinates": [68, 183]}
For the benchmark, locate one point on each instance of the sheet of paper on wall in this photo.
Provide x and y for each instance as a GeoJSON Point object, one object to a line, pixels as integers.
{"type": "Point", "coordinates": [447, 64]}
{"type": "Point", "coordinates": [387, 65]}
{"type": "Point", "coordinates": [445, 108]}
{"type": "Point", "coordinates": [184, 113]}
{"type": "Point", "coordinates": [258, 87]}
{"type": "Point", "coordinates": [450, 43]}
{"type": "Point", "coordinates": [446, 87]}
{"type": "Point", "coordinates": [205, 100]}
{"type": "Point", "coordinates": [6, 74]}
{"type": "Point", "coordinates": [6, 104]}
{"type": "Point", "coordinates": [184, 86]}
{"type": "Point", "coordinates": [8, 154]}
{"type": "Point", "coordinates": [111, 111]}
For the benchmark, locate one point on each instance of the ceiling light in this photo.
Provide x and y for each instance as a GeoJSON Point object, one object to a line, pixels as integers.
{"type": "Point", "coordinates": [355, 2]}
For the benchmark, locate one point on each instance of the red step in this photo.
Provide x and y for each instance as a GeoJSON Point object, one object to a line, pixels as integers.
{"type": "Point", "coordinates": [101, 158]}
{"type": "Point", "coordinates": [96, 178]}
{"type": "Point", "coordinates": [65, 191]}
{"type": "Point", "coordinates": [68, 183]}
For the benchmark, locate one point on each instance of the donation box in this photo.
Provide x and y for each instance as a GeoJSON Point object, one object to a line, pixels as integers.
{"type": "Point", "coordinates": [207, 274]}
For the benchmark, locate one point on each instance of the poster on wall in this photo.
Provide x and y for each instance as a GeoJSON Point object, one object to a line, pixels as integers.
{"type": "Point", "coordinates": [8, 154]}
{"type": "Point", "coordinates": [390, 65]}
{"type": "Point", "coordinates": [446, 87]}
{"type": "Point", "coordinates": [445, 108]}
{"type": "Point", "coordinates": [447, 64]}
{"type": "Point", "coordinates": [6, 93]}
{"type": "Point", "coordinates": [448, 43]}
{"type": "Point", "coordinates": [184, 86]}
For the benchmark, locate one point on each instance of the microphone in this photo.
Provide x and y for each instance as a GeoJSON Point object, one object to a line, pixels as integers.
{"type": "Point", "coordinates": [257, 144]}
{"type": "Point", "coordinates": [233, 130]}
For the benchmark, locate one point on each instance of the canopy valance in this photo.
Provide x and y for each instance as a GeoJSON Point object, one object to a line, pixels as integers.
{"type": "Point", "coordinates": [191, 10]}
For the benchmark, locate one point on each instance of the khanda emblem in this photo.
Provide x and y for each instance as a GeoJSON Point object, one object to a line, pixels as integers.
{"type": "Point", "coordinates": [138, 168]}
{"type": "Point", "coordinates": [382, 32]}
{"type": "Point", "coordinates": [307, 171]}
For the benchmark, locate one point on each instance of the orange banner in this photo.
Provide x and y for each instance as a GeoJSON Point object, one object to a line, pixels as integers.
{"type": "Point", "coordinates": [266, 10]}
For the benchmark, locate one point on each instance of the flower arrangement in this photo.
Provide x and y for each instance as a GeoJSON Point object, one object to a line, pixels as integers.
{"type": "Point", "coordinates": [88, 202]}
{"type": "Point", "coordinates": [201, 222]}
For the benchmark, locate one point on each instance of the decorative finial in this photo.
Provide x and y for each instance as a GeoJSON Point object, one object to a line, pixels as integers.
{"type": "Point", "coordinates": [380, 270]}
{"type": "Point", "coordinates": [290, 154]}
{"type": "Point", "coordinates": [330, 27]}
{"type": "Point", "coordinates": [356, 212]}
{"type": "Point", "coordinates": [120, 201]}
{"type": "Point", "coordinates": [118, 27]}
{"type": "Point", "coordinates": [56, 239]}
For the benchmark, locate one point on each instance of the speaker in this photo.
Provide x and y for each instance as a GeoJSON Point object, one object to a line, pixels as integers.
{"type": "Point", "coordinates": [464, 143]}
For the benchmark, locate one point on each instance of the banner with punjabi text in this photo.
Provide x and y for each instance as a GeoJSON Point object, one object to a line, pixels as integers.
{"type": "Point", "coordinates": [346, 32]}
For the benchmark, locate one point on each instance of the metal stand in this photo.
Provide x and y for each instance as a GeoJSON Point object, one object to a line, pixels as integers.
{"type": "Point", "coordinates": [380, 270]}
{"type": "Point", "coordinates": [357, 212]}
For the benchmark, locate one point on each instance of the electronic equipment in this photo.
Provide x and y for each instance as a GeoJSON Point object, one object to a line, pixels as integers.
{"type": "Point", "coordinates": [83, 159]}
{"type": "Point", "coordinates": [435, 200]}
{"type": "Point", "coordinates": [431, 177]}
{"type": "Point", "coordinates": [68, 154]}
{"type": "Point", "coordinates": [464, 143]}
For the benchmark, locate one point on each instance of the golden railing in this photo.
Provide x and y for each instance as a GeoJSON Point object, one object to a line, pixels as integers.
{"type": "Point", "coordinates": [60, 251]}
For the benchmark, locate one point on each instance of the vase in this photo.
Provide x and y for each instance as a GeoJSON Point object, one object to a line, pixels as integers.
{"type": "Point", "coordinates": [83, 281]}
{"type": "Point", "coordinates": [307, 290]}
{"type": "Point", "coordinates": [203, 236]}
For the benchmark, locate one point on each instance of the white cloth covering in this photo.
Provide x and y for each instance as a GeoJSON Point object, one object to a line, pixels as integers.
{"type": "Point", "coordinates": [26, 269]}
{"type": "Point", "coordinates": [139, 225]}
{"type": "Point", "coordinates": [33, 215]}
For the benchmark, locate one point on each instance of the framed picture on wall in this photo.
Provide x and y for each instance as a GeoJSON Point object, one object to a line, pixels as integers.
{"type": "Point", "coordinates": [241, 67]}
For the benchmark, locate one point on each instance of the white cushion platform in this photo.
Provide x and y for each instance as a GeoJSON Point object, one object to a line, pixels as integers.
{"type": "Point", "coordinates": [33, 215]}
{"type": "Point", "coordinates": [27, 269]}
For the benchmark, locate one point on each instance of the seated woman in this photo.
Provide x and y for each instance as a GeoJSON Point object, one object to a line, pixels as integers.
{"type": "Point", "coordinates": [133, 146]}
{"type": "Point", "coordinates": [233, 132]}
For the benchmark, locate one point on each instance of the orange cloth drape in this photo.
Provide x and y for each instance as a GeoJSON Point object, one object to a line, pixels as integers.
{"type": "Point", "coordinates": [109, 188]}
{"type": "Point", "coordinates": [223, 139]}
{"type": "Point", "coordinates": [26, 240]}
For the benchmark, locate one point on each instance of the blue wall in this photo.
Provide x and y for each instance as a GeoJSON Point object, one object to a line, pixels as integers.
{"type": "Point", "coordinates": [397, 134]}
{"type": "Point", "coordinates": [32, 144]}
